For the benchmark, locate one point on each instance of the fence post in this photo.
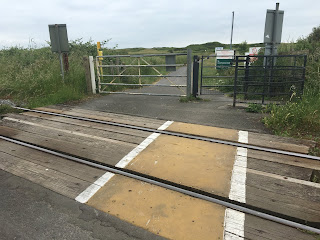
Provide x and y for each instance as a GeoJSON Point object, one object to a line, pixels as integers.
{"type": "Point", "coordinates": [93, 75]}
{"type": "Point", "coordinates": [201, 83]}
{"type": "Point", "coordinates": [98, 74]}
{"type": "Point", "coordinates": [195, 82]}
{"type": "Point", "coordinates": [246, 78]}
{"type": "Point", "coordinates": [265, 59]}
{"type": "Point", "coordinates": [303, 73]}
{"type": "Point", "coordinates": [189, 66]}
{"type": "Point", "coordinates": [87, 74]}
{"type": "Point", "coordinates": [235, 82]}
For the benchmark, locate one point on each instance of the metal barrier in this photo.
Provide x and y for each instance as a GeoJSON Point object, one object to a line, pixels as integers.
{"type": "Point", "coordinates": [272, 78]}
{"type": "Point", "coordinates": [144, 74]}
{"type": "Point", "coordinates": [255, 78]}
{"type": "Point", "coordinates": [214, 78]}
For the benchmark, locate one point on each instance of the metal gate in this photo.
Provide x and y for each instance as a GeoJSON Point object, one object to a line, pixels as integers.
{"type": "Point", "coordinates": [214, 79]}
{"type": "Point", "coordinates": [259, 78]}
{"type": "Point", "coordinates": [145, 74]}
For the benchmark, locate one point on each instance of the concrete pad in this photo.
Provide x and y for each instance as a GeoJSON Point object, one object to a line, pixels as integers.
{"type": "Point", "coordinates": [203, 165]}
{"type": "Point", "coordinates": [160, 211]}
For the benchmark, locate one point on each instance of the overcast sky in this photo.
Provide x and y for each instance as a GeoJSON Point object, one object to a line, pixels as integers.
{"type": "Point", "coordinates": [150, 23]}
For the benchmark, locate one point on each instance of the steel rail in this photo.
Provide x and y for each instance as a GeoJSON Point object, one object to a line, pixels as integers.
{"type": "Point", "coordinates": [245, 208]}
{"type": "Point", "coordinates": [176, 134]}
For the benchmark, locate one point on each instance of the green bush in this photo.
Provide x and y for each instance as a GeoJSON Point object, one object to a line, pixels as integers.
{"type": "Point", "coordinates": [301, 116]}
{"type": "Point", "coordinates": [254, 108]}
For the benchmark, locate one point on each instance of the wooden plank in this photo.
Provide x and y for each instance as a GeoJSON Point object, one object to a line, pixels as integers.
{"type": "Point", "coordinates": [59, 182]}
{"type": "Point", "coordinates": [284, 178]}
{"type": "Point", "coordinates": [283, 187]}
{"type": "Point", "coordinates": [292, 199]}
{"type": "Point", "coordinates": [25, 122]}
{"type": "Point", "coordinates": [279, 169]}
{"type": "Point", "coordinates": [126, 131]}
{"type": "Point", "coordinates": [133, 120]}
{"type": "Point", "coordinates": [279, 145]}
{"type": "Point", "coordinates": [280, 158]}
{"type": "Point", "coordinates": [68, 167]}
{"type": "Point", "coordinates": [107, 153]}
{"type": "Point", "coordinates": [278, 139]}
{"type": "Point", "coordinates": [260, 229]}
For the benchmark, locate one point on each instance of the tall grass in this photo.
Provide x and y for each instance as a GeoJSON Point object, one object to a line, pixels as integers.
{"type": "Point", "coordinates": [301, 116]}
{"type": "Point", "coordinates": [31, 77]}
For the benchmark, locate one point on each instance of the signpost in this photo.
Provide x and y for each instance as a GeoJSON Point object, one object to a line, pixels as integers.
{"type": "Point", "coordinates": [224, 58]}
{"type": "Point", "coordinates": [273, 30]}
{"type": "Point", "coordinates": [59, 42]}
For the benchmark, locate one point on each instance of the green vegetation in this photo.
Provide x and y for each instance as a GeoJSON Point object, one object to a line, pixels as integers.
{"type": "Point", "coordinates": [301, 116]}
{"type": "Point", "coordinates": [254, 108]}
{"type": "Point", "coordinates": [31, 77]}
{"type": "Point", "coordinates": [7, 109]}
{"type": "Point", "coordinates": [197, 49]}
{"type": "Point", "coordinates": [243, 48]}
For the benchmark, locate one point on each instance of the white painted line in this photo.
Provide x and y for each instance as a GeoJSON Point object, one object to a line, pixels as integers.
{"type": "Point", "coordinates": [66, 131]}
{"type": "Point", "coordinates": [93, 188]}
{"type": "Point", "coordinates": [238, 188]}
{"type": "Point", "coordinates": [165, 125]}
{"type": "Point", "coordinates": [234, 220]}
{"type": "Point", "coordinates": [234, 227]}
{"type": "Point", "coordinates": [243, 137]}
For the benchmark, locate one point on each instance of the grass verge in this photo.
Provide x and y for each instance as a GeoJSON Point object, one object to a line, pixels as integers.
{"type": "Point", "coordinates": [4, 109]}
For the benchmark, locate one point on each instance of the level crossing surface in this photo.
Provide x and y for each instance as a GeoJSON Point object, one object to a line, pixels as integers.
{"type": "Point", "coordinates": [265, 180]}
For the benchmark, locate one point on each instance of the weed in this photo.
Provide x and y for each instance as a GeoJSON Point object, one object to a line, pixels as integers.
{"type": "Point", "coordinates": [254, 108]}
{"type": "Point", "coordinates": [315, 176]}
{"type": "Point", "coordinates": [191, 99]}
{"type": "Point", "coordinates": [4, 109]}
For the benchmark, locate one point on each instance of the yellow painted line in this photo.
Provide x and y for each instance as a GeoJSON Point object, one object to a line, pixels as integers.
{"type": "Point", "coordinates": [203, 165]}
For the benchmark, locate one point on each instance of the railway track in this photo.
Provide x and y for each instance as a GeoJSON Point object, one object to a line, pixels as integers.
{"type": "Point", "coordinates": [176, 134]}
{"type": "Point", "coordinates": [245, 208]}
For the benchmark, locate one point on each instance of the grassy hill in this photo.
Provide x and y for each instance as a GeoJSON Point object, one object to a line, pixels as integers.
{"type": "Point", "coordinates": [199, 49]}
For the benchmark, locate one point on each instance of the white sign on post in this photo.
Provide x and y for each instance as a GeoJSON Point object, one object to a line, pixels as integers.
{"type": "Point", "coordinates": [217, 49]}
{"type": "Point", "coordinates": [224, 58]}
{"type": "Point", "coordinates": [253, 51]}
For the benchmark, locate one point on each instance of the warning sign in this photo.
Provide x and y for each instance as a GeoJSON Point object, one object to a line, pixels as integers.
{"type": "Point", "coordinates": [224, 58]}
{"type": "Point", "coordinates": [253, 51]}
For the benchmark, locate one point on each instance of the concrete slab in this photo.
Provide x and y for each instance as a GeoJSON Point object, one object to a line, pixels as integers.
{"type": "Point", "coordinates": [160, 211]}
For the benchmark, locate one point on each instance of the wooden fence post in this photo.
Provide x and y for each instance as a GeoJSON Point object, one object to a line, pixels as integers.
{"type": "Point", "coordinates": [87, 74]}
